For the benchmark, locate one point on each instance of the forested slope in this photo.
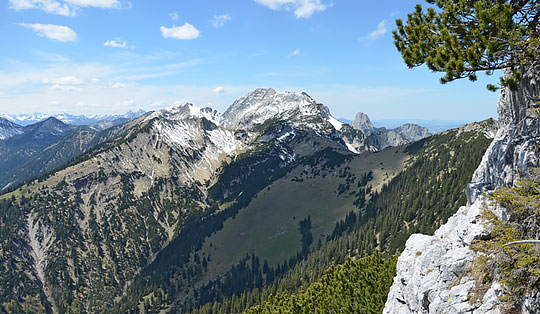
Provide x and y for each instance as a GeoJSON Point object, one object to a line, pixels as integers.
{"type": "Point", "coordinates": [419, 199]}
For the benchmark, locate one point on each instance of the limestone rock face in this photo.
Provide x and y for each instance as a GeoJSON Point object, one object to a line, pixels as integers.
{"type": "Point", "coordinates": [412, 132]}
{"type": "Point", "coordinates": [384, 138]}
{"type": "Point", "coordinates": [431, 271]}
{"type": "Point", "coordinates": [363, 123]}
{"type": "Point", "coordinates": [381, 138]}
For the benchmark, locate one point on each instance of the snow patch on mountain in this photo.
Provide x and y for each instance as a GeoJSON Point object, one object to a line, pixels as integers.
{"type": "Point", "coordinates": [9, 129]}
{"type": "Point", "coordinates": [182, 125]}
{"type": "Point", "coordinates": [335, 123]}
{"type": "Point", "coordinates": [183, 110]}
{"type": "Point", "coordinates": [267, 104]}
{"type": "Point", "coordinates": [225, 141]}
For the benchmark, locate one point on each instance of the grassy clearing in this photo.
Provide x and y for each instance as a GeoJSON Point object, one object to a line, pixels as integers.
{"type": "Point", "coordinates": [268, 226]}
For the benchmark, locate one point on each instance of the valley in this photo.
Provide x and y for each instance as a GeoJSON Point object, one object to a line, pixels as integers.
{"type": "Point", "coordinates": [270, 157]}
{"type": "Point", "coordinates": [305, 191]}
{"type": "Point", "coordinates": [157, 211]}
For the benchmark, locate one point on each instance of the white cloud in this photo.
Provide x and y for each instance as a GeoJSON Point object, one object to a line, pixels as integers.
{"type": "Point", "coordinates": [66, 80]}
{"type": "Point", "coordinates": [49, 6]}
{"type": "Point", "coordinates": [73, 83]}
{"type": "Point", "coordinates": [56, 32]}
{"type": "Point", "coordinates": [118, 85]}
{"type": "Point", "coordinates": [302, 8]}
{"type": "Point", "coordinates": [63, 7]}
{"type": "Point", "coordinates": [295, 52]}
{"type": "Point", "coordinates": [219, 90]}
{"type": "Point", "coordinates": [126, 103]}
{"type": "Point", "coordinates": [174, 16]}
{"type": "Point", "coordinates": [95, 3]}
{"type": "Point", "coordinates": [66, 83]}
{"type": "Point", "coordinates": [186, 31]}
{"type": "Point", "coordinates": [61, 87]}
{"type": "Point", "coordinates": [115, 43]}
{"type": "Point", "coordinates": [219, 20]}
{"type": "Point", "coordinates": [382, 28]}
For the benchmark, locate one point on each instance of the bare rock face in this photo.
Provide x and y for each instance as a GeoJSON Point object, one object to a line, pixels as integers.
{"type": "Point", "coordinates": [363, 123]}
{"type": "Point", "coordinates": [382, 138]}
{"type": "Point", "coordinates": [431, 271]}
{"type": "Point", "coordinates": [412, 132]}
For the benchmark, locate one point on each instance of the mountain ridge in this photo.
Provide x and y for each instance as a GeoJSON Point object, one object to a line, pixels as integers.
{"type": "Point", "coordinates": [157, 189]}
{"type": "Point", "coordinates": [381, 138]}
{"type": "Point", "coordinates": [31, 118]}
{"type": "Point", "coordinates": [9, 129]}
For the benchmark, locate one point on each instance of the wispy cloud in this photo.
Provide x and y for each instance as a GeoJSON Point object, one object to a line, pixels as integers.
{"type": "Point", "coordinates": [381, 29]}
{"type": "Point", "coordinates": [117, 43]}
{"type": "Point", "coordinates": [51, 31]}
{"type": "Point", "coordinates": [62, 84]}
{"type": "Point", "coordinates": [174, 16]}
{"type": "Point", "coordinates": [184, 32]}
{"type": "Point", "coordinates": [66, 80]}
{"type": "Point", "coordinates": [73, 83]}
{"type": "Point", "coordinates": [95, 3]}
{"type": "Point", "coordinates": [219, 90]}
{"type": "Point", "coordinates": [296, 52]}
{"type": "Point", "coordinates": [302, 8]}
{"type": "Point", "coordinates": [63, 7]}
{"type": "Point", "coordinates": [219, 20]}
{"type": "Point", "coordinates": [49, 6]}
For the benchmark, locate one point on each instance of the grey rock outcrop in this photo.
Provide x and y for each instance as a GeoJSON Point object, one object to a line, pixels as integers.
{"type": "Point", "coordinates": [382, 138]}
{"type": "Point", "coordinates": [387, 138]}
{"type": "Point", "coordinates": [431, 271]}
{"type": "Point", "coordinates": [363, 123]}
{"type": "Point", "coordinates": [412, 132]}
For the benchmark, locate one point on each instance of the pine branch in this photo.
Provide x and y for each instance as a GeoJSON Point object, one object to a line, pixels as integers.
{"type": "Point", "coordinates": [523, 242]}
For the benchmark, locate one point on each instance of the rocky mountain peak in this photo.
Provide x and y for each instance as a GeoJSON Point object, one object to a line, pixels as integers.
{"type": "Point", "coordinates": [184, 110]}
{"type": "Point", "coordinates": [382, 137]}
{"type": "Point", "coordinates": [412, 132]}
{"type": "Point", "coordinates": [363, 123]}
{"type": "Point", "coordinates": [265, 104]}
{"type": "Point", "coordinates": [50, 126]}
{"type": "Point", "coordinates": [9, 129]}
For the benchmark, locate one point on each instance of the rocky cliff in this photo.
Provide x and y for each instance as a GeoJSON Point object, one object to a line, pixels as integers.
{"type": "Point", "coordinates": [381, 138]}
{"type": "Point", "coordinates": [363, 123]}
{"type": "Point", "coordinates": [433, 271]}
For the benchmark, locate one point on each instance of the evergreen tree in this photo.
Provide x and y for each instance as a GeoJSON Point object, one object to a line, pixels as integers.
{"type": "Point", "coordinates": [463, 37]}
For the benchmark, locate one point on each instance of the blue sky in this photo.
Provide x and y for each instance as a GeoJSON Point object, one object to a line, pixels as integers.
{"type": "Point", "coordinates": [110, 56]}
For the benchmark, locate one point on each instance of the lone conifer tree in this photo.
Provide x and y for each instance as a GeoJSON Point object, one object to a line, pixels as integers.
{"type": "Point", "coordinates": [463, 37]}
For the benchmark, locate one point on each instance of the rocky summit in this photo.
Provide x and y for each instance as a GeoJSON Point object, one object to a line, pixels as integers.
{"type": "Point", "coordinates": [381, 138]}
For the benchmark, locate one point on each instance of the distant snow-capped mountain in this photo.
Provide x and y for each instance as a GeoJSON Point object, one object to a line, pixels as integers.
{"type": "Point", "coordinates": [9, 129]}
{"type": "Point", "coordinates": [31, 118]}
{"type": "Point", "coordinates": [267, 104]}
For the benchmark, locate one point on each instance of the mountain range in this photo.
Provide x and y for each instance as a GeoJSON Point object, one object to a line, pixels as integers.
{"type": "Point", "coordinates": [31, 118]}
{"type": "Point", "coordinates": [25, 156]}
{"type": "Point", "coordinates": [160, 208]}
